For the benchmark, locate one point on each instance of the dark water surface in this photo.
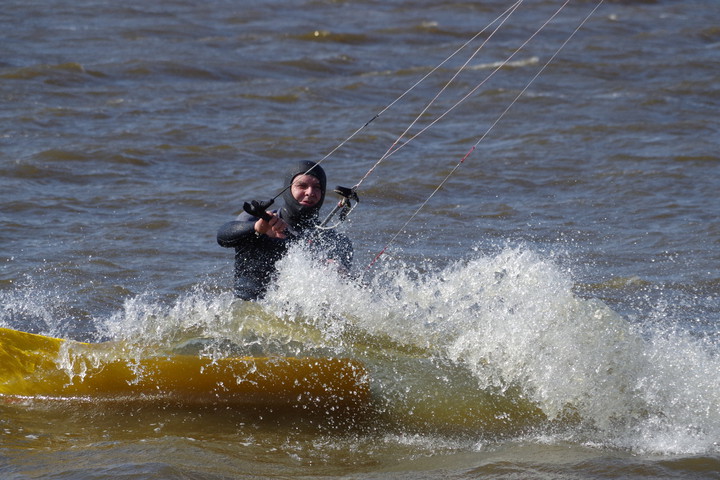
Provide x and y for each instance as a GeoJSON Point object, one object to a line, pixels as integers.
{"type": "Point", "coordinates": [551, 312]}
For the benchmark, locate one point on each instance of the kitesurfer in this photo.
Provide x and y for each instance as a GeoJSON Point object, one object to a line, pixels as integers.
{"type": "Point", "coordinates": [260, 242]}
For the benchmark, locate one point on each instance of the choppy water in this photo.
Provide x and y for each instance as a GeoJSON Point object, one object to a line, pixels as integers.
{"type": "Point", "coordinates": [552, 312]}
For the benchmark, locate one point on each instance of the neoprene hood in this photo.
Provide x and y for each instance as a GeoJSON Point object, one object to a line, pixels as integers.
{"type": "Point", "coordinates": [299, 216]}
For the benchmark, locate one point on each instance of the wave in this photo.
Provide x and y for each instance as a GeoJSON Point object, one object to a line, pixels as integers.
{"type": "Point", "coordinates": [497, 344]}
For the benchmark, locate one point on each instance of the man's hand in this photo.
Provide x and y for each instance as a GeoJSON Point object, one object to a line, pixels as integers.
{"type": "Point", "coordinates": [273, 228]}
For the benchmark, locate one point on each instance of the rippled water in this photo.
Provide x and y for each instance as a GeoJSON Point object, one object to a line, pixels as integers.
{"type": "Point", "coordinates": [551, 312]}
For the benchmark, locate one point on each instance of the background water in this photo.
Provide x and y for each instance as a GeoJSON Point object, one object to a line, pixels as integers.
{"type": "Point", "coordinates": [552, 312]}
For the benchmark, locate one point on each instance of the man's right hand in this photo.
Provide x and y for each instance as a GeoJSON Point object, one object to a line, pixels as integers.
{"type": "Point", "coordinates": [273, 228]}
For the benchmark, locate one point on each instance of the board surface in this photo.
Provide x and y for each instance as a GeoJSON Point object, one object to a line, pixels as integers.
{"type": "Point", "coordinates": [40, 366]}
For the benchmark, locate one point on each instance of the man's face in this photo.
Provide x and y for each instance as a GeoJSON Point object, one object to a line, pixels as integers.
{"type": "Point", "coordinates": [306, 190]}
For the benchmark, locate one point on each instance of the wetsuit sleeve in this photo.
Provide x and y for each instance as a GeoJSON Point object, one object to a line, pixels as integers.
{"type": "Point", "coordinates": [345, 252]}
{"type": "Point", "coordinates": [234, 233]}
{"type": "Point", "coordinates": [340, 249]}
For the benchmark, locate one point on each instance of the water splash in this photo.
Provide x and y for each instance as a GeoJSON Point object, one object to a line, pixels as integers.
{"type": "Point", "coordinates": [495, 344]}
{"type": "Point", "coordinates": [504, 336]}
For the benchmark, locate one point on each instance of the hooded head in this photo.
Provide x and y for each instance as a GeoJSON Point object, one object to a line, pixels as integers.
{"type": "Point", "coordinates": [300, 216]}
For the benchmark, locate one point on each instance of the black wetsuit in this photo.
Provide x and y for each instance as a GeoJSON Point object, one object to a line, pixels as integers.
{"type": "Point", "coordinates": [256, 255]}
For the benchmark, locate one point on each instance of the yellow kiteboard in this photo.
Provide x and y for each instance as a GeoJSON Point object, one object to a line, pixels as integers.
{"type": "Point", "coordinates": [38, 366]}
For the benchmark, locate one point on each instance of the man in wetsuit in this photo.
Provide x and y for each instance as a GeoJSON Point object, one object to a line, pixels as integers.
{"type": "Point", "coordinates": [260, 243]}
